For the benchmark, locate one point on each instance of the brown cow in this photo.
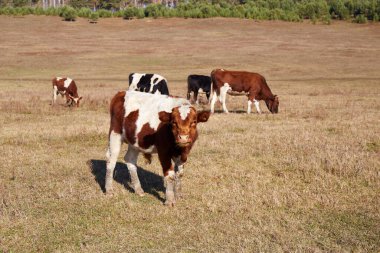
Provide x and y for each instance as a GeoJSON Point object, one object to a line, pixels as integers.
{"type": "Point", "coordinates": [152, 123]}
{"type": "Point", "coordinates": [65, 86]}
{"type": "Point", "coordinates": [241, 82]}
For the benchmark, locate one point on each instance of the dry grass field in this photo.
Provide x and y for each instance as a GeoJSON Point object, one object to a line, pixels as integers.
{"type": "Point", "coordinates": [304, 180]}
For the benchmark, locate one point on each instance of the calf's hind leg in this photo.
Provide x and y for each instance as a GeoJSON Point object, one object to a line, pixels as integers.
{"type": "Point", "coordinates": [112, 154]}
{"type": "Point", "coordinates": [131, 160]}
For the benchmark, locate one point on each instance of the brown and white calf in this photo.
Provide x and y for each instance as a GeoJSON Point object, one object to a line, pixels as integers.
{"type": "Point", "coordinates": [241, 82]}
{"type": "Point", "coordinates": [152, 123]}
{"type": "Point", "coordinates": [66, 87]}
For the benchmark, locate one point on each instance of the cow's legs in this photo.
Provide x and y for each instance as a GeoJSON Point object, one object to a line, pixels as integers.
{"type": "Point", "coordinates": [208, 97]}
{"type": "Point", "coordinates": [68, 99]}
{"type": "Point", "coordinates": [178, 184]}
{"type": "Point", "coordinates": [257, 105]}
{"type": "Point", "coordinates": [251, 97]}
{"type": "Point", "coordinates": [170, 187]}
{"type": "Point", "coordinates": [55, 91]}
{"type": "Point", "coordinates": [249, 106]}
{"type": "Point", "coordinates": [131, 160]}
{"type": "Point", "coordinates": [188, 95]}
{"type": "Point", "coordinates": [178, 175]}
{"type": "Point", "coordinates": [213, 101]}
{"type": "Point", "coordinates": [195, 96]}
{"type": "Point", "coordinates": [169, 177]}
{"type": "Point", "coordinates": [112, 154]}
{"type": "Point", "coordinates": [223, 95]}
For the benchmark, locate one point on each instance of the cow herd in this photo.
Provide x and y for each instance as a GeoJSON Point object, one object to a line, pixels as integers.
{"type": "Point", "coordinates": [150, 120]}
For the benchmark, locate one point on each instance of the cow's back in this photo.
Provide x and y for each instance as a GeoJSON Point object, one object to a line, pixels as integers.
{"type": "Point", "coordinates": [238, 80]}
{"type": "Point", "coordinates": [148, 83]}
{"type": "Point", "coordinates": [141, 117]}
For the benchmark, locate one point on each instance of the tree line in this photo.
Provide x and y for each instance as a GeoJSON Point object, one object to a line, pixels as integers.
{"type": "Point", "coordinates": [359, 11]}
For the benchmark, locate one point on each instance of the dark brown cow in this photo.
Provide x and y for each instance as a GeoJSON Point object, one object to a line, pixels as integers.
{"type": "Point", "coordinates": [152, 123]}
{"type": "Point", "coordinates": [66, 87]}
{"type": "Point", "coordinates": [241, 82]}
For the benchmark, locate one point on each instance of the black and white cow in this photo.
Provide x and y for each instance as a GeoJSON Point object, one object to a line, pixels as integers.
{"type": "Point", "coordinates": [150, 83]}
{"type": "Point", "coordinates": [196, 84]}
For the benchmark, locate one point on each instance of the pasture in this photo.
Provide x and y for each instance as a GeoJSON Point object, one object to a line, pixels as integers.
{"type": "Point", "coordinates": [304, 180]}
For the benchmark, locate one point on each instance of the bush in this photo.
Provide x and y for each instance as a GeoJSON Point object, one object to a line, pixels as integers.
{"type": "Point", "coordinates": [118, 13]}
{"type": "Point", "coordinates": [313, 9]}
{"type": "Point", "coordinates": [376, 17]}
{"type": "Point", "coordinates": [153, 10]}
{"type": "Point", "coordinates": [338, 10]}
{"type": "Point", "coordinates": [7, 11]}
{"type": "Point", "coordinates": [24, 11]}
{"type": "Point", "coordinates": [207, 11]}
{"type": "Point", "coordinates": [360, 19]}
{"type": "Point", "coordinates": [104, 13]}
{"type": "Point", "coordinates": [94, 16]}
{"type": "Point", "coordinates": [130, 12]}
{"type": "Point", "coordinates": [69, 13]}
{"type": "Point", "coordinates": [39, 11]}
{"type": "Point", "coordinates": [85, 12]}
{"type": "Point", "coordinates": [326, 19]}
{"type": "Point", "coordinates": [287, 10]}
{"type": "Point", "coordinates": [53, 11]}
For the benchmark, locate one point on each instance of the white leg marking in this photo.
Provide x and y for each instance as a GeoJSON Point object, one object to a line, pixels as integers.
{"type": "Point", "coordinates": [112, 154]}
{"type": "Point", "coordinates": [223, 95]}
{"type": "Point", "coordinates": [213, 100]}
{"type": "Point", "coordinates": [179, 173]}
{"type": "Point", "coordinates": [249, 106]}
{"type": "Point", "coordinates": [257, 105]}
{"type": "Point", "coordinates": [131, 160]}
{"type": "Point", "coordinates": [170, 182]}
{"type": "Point", "coordinates": [55, 90]}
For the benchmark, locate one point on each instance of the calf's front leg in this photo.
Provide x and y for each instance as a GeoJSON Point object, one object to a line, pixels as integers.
{"type": "Point", "coordinates": [169, 178]}
{"type": "Point", "coordinates": [178, 183]}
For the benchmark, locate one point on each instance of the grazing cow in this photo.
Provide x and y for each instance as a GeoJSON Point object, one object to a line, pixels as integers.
{"type": "Point", "coordinates": [152, 123]}
{"type": "Point", "coordinates": [150, 83]}
{"type": "Point", "coordinates": [240, 82]}
{"type": "Point", "coordinates": [196, 83]}
{"type": "Point", "coordinates": [65, 86]}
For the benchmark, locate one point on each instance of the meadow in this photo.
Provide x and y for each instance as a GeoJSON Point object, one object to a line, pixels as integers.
{"type": "Point", "coordinates": [304, 180]}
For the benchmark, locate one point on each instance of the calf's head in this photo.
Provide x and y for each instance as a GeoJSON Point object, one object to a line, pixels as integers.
{"type": "Point", "coordinates": [184, 120]}
{"type": "Point", "coordinates": [76, 100]}
{"type": "Point", "coordinates": [273, 104]}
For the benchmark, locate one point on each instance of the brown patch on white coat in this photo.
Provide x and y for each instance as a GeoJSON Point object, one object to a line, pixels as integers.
{"type": "Point", "coordinates": [66, 87]}
{"type": "Point", "coordinates": [152, 123]}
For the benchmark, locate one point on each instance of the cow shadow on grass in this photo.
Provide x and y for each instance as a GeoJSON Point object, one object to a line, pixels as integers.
{"type": "Point", "coordinates": [150, 182]}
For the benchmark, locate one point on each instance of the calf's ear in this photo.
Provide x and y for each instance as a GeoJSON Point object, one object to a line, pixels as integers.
{"type": "Point", "coordinates": [80, 98]}
{"type": "Point", "coordinates": [203, 116]}
{"type": "Point", "coordinates": [165, 117]}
